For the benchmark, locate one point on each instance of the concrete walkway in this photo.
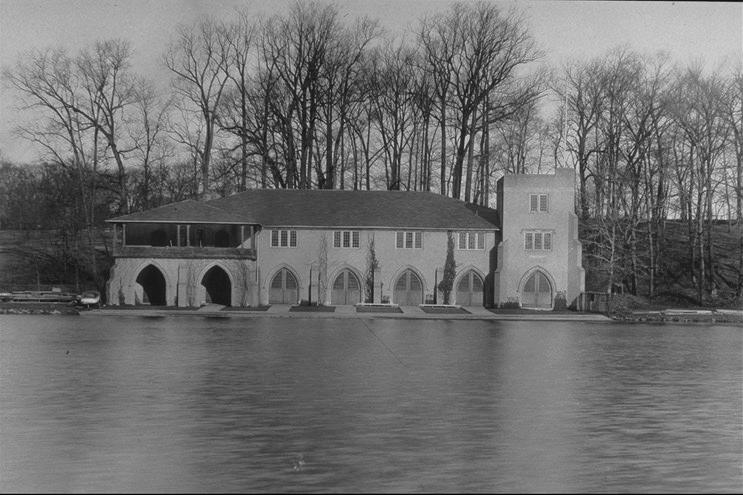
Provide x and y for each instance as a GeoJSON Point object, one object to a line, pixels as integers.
{"type": "Point", "coordinates": [408, 312]}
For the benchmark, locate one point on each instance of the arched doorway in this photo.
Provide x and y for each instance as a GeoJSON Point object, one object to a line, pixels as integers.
{"type": "Point", "coordinates": [153, 286]}
{"type": "Point", "coordinates": [217, 285]}
{"type": "Point", "coordinates": [408, 289]}
{"type": "Point", "coordinates": [346, 289]}
{"type": "Point", "coordinates": [537, 292]}
{"type": "Point", "coordinates": [469, 289]}
{"type": "Point", "coordinates": [284, 288]}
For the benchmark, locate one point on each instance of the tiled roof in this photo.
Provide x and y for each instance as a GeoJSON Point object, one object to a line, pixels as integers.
{"type": "Point", "coordinates": [188, 210]}
{"type": "Point", "coordinates": [329, 208]}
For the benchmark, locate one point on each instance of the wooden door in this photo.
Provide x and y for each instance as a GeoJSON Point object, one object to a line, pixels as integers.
{"type": "Point", "coordinates": [284, 288]}
{"type": "Point", "coordinates": [408, 289]}
{"type": "Point", "coordinates": [537, 292]}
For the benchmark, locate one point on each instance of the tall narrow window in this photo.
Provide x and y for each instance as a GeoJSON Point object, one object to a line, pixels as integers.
{"type": "Point", "coordinates": [409, 240]}
{"type": "Point", "coordinates": [346, 238]}
{"type": "Point", "coordinates": [543, 202]}
{"type": "Point", "coordinates": [538, 203]}
{"type": "Point", "coordinates": [283, 238]}
{"type": "Point", "coordinates": [471, 240]}
{"type": "Point", "coordinates": [537, 240]}
{"type": "Point", "coordinates": [463, 240]}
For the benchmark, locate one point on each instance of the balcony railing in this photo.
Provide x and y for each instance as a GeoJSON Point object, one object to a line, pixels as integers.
{"type": "Point", "coordinates": [183, 252]}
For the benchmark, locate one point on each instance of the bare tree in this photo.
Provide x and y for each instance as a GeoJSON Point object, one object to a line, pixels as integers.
{"type": "Point", "coordinates": [148, 138]}
{"type": "Point", "coordinates": [582, 94]}
{"type": "Point", "coordinates": [110, 89]}
{"type": "Point", "coordinates": [341, 88]}
{"type": "Point", "coordinates": [296, 47]}
{"type": "Point", "coordinates": [199, 58]}
{"type": "Point", "coordinates": [235, 118]}
{"type": "Point", "coordinates": [484, 58]}
{"type": "Point", "coordinates": [699, 114]}
{"type": "Point", "coordinates": [48, 86]}
{"type": "Point", "coordinates": [393, 84]}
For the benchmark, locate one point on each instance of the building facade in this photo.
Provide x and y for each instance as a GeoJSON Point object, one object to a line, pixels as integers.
{"type": "Point", "coordinates": [263, 247]}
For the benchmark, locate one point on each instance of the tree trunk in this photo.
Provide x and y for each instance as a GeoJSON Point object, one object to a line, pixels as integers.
{"type": "Point", "coordinates": [470, 158]}
{"type": "Point", "coordinates": [443, 147]}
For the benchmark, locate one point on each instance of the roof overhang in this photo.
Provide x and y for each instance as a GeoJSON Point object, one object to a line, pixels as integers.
{"type": "Point", "coordinates": [183, 222]}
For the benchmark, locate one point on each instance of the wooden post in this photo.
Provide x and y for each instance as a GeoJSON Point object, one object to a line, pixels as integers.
{"type": "Point", "coordinates": [188, 235]}
{"type": "Point", "coordinates": [252, 238]}
{"type": "Point", "coordinates": [242, 235]}
{"type": "Point", "coordinates": [123, 235]}
{"type": "Point", "coordinates": [178, 235]}
{"type": "Point", "coordinates": [116, 234]}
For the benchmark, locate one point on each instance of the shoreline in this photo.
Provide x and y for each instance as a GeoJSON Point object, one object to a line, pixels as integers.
{"type": "Point", "coordinates": [669, 316]}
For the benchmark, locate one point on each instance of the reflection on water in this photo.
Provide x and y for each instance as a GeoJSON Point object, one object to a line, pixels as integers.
{"type": "Point", "coordinates": [211, 405]}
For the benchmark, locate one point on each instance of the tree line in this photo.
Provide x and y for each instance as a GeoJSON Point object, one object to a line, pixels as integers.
{"type": "Point", "coordinates": [312, 99]}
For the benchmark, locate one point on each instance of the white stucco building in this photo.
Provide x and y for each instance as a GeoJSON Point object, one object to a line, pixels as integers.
{"type": "Point", "coordinates": [263, 247]}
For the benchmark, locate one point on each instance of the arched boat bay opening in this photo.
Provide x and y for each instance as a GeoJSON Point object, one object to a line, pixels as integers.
{"type": "Point", "coordinates": [153, 286]}
{"type": "Point", "coordinates": [218, 287]}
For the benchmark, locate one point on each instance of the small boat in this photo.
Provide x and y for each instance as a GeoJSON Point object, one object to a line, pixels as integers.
{"type": "Point", "coordinates": [53, 296]}
{"type": "Point", "coordinates": [90, 298]}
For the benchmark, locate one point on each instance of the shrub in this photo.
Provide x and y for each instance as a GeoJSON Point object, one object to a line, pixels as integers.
{"type": "Point", "coordinates": [561, 303]}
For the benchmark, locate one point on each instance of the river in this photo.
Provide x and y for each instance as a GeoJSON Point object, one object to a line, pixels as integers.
{"type": "Point", "coordinates": [190, 404]}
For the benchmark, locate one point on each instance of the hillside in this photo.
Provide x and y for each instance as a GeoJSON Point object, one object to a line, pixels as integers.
{"type": "Point", "coordinates": [675, 279]}
{"type": "Point", "coordinates": [41, 259]}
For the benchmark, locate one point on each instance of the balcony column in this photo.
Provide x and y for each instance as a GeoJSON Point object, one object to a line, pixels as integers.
{"type": "Point", "coordinates": [242, 235]}
{"type": "Point", "coordinates": [252, 238]}
{"type": "Point", "coordinates": [116, 234]}
{"type": "Point", "coordinates": [188, 235]}
{"type": "Point", "coordinates": [178, 235]}
{"type": "Point", "coordinates": [123, 235]}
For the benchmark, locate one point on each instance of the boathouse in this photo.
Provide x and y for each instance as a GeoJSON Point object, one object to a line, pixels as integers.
{"type": "Point", "coordinates": [278, 246]}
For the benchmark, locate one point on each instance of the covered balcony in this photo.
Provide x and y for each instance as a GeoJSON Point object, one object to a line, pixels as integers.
{"type": "Point", "coordinates": [184, 240]}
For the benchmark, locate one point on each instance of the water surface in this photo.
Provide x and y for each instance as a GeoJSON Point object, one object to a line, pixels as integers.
{"type": "Point", "coordinates": [189, 404]}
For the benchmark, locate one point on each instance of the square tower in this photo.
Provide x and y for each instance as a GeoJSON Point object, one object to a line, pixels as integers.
{"type": "Point", "coordinates": [539, 254]}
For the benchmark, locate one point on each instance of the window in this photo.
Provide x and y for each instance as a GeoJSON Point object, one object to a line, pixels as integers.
{"type": "Point", "coordinates": [538, 241]}
{"type": "Point", "coordinates": [346, 238]}
{"type": "Point", "coordinates": [471, 240]}
{"type": "Point", "coordinates": [538, 203]}
{"type": "Point", "coordinates": [283, 238]}
{"type": "Point", "coordinates": [409, 240]}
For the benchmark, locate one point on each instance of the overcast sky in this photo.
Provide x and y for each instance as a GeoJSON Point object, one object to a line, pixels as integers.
{"type": "Point", "coordinates": [708, 31]}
